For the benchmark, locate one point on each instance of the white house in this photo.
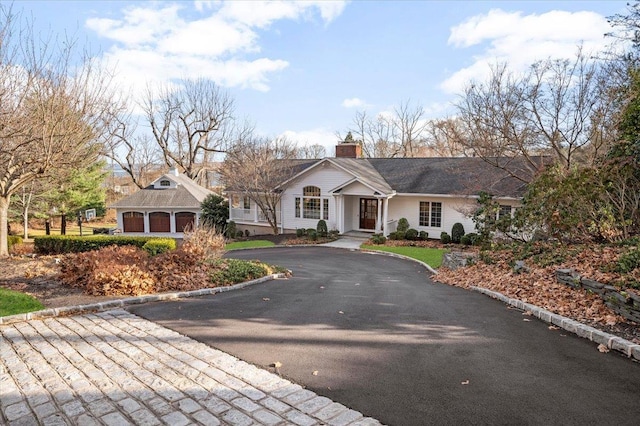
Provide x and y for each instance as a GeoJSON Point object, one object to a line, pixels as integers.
{"type": "Point", "coordinates": [164, 208]}
{"type": "Point", "coordinates": [370, 195]}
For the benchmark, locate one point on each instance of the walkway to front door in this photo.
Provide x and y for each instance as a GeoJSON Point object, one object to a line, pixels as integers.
{"type": "Point", "coordinates": [368, 213]}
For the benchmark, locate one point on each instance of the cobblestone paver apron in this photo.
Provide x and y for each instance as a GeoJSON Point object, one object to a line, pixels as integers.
{"type": "Point", "coordinates": [114, 368]}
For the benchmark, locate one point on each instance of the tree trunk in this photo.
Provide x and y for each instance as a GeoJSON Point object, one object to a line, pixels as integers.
{"type": "Point", "coordinates": [4, 230]}
{"type": "Point", "coordinates": [25, 219]}
{"type": "Point", "coordinates": [63, 224]}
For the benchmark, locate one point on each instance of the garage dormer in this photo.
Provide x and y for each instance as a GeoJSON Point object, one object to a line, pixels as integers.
{"type": "Point", "coordinates": [165, 181]}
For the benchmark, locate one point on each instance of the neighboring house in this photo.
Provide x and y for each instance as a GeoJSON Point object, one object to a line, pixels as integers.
{"type": "Point", "coordinates": [164, 208]}
{"type": "Point", "coordinates": [356, 194]}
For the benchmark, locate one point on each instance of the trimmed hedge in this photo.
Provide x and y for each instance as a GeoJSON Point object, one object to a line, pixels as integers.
{"type": "Point", "coordinates": [61, 244]}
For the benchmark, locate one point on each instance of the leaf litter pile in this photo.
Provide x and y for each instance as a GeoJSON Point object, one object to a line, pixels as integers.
{"type": "Point", "coordinates": [537, 284]}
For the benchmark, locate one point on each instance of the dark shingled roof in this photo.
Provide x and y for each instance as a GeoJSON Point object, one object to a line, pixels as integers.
{"type": "Point", "coordinates": [187, 194]}
{"type": "Point", "coordinates": [459, 175]}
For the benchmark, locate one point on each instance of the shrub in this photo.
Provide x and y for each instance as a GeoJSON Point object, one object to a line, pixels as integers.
{"type": "Point", "coordinates": [378, 239]}
{"type": "Point", "coordinates": [159, 245]}
{"type": "Point", "coordinates": [470, 239]}
{"type": "Point", "coordinates": [231, 229]}
{"type": "Point", "coordinates": [411, 234]}
{"type": "Point", "coordinates": [400, 235]}
{"type": "Point", "coordinates": [445, 238]}
{"type": "Point", "coordinates": [424, 235]}
{"type": "Point", "coordinates": [393, 236]}
{"type": "Point", "coordinates": [204, 242]}
{"type": "Point", "coordinates": [403, 226]}
{"type": "Point", "coordinates": [239, 233]}
{"type": "Point", "coordinates": [312, 234]}
{"type": "Point", "coordinates": [231, 271]}
{"type": "Point", "coordinates": [300, 232]}
{"type": "Point", "coordinates": [322, 229]}
{"type": "Point", "coordinates": [457, 232]}
{"type": "Point", "coordinates": [247, 233]}
{"type": "Point", "coordinates": [629, 261]}
{"type": "Point", "coordinates": [13, 240]}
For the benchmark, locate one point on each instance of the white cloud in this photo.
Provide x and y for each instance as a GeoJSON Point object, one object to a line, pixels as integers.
{"type": "Point", "coordinates": [519, 40]}
{"type": "Point", "coordinates": [354, 103]}
{"type": "Point", "coordinates": [211, 39]}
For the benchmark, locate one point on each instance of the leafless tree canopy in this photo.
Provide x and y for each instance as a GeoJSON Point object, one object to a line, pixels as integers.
{"type": "Point", "coordinates": [312, 151]}
{"type": "Point", "coordinates": [558, 109]}
{"type": "Point", "coordinates": [53, 106]}
{"type": "Point", "coordinates": [255, 167]}
{"type": "Point", "coordinates": [402, 133]}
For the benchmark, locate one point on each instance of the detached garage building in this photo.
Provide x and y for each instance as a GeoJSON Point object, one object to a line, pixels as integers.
{"type": "Point", "coordinates": [165, 208]}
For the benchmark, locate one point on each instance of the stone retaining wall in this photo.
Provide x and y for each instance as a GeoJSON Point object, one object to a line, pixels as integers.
{"type": "Point", "coordinates": [624, 303]}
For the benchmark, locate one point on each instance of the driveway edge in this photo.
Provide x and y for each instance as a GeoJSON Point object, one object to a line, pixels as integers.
{"type": "Point", "coordinates": [611, 341]}
{"type": "Point", "coordinates": [120, 303]}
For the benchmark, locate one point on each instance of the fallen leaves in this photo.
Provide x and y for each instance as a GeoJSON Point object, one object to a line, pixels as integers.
{"type": "Point", "coordinates": [266, 299]}
{"type": "Point", "coordinates": [314, 373]}
{"type": "Point", "coordinates": [602, 348]}
{"type": "Point", "coordinates": [466, 382]}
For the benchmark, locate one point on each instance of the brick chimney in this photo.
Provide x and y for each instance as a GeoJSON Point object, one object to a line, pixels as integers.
{"type": "Point", "coordinates": [348, 150]}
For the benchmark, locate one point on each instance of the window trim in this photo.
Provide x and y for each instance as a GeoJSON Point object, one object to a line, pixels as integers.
{"type": "Point", "coordinates": [433, 214]}
{"type": "Point", "coordinates": [311, 204]}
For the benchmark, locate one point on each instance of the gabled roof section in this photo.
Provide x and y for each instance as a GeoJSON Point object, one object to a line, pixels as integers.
{"type": "Point", "coordinates": [186, 193]}
{"type": "Point", "coordinates": [453, 176]}
{"type": "Point", "coordinates": [359, 168]}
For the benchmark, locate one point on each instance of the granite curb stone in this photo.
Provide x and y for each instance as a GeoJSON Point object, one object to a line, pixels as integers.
{"type": "Point", "coordinates": [611, 341]}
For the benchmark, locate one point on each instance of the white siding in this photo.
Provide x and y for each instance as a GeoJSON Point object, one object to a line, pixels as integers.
{"type": "Point", "coordinates": [326, 177]}
{"type": "Point", "coordinates": [452, 211]}
{"type": "Point", "coordinates": [356, 188]}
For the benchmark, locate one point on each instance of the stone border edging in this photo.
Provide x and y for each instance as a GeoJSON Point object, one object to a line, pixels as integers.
{"type": "Point", "coordinates": [119, 303]}
{"type": "Point", "coordinates": [611, 341]}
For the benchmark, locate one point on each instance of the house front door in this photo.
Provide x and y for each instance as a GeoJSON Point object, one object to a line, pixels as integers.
{"type": "Point", "coordinates": [368, 213]}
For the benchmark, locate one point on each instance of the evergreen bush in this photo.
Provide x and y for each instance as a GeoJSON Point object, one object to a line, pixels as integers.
{"type": "Point", "coordinates": [445, 238]}
{"type": "Point", "coordinates": [457, 232]}
{"type": "Point", "coordinates": [411, 234]}
{"type": "Point", "coordinates": [322, 229]}
{"type": "Point", "coordinates": [424, 235]}
{"type": "Point", "coordinates": [403, 225]}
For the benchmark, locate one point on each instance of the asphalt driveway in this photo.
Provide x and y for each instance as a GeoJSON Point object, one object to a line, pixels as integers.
{"type": "Point", "coordinates": [376, 334]}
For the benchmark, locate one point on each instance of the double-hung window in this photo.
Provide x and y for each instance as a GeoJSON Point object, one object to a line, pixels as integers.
{"type": "Point", "coordinates": [430, 214]}
{"type": "Point", "coordinates": [505, 211]}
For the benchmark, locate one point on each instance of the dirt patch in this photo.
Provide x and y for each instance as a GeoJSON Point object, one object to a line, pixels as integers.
{"type": "Point", "coordinates": [38, 278]}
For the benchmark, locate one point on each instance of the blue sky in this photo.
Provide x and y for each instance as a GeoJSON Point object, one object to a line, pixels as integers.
{"type": "Point", "coordinates": [305, 68]}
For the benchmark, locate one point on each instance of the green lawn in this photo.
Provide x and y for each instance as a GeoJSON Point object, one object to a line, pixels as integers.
{"type": "Point", "coordinates": [248, 244]}
{"type": "Point", "coordinates": [14, 302]}
{"type": "Point", "coordinates": [430, 256]}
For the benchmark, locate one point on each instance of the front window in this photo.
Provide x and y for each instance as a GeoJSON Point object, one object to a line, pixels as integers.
{"type": "Point", "coordinates": [505, 211]}
{"type": "Point", "coordinates": [312, 204]}
{"type": "Point", "coordinates": [430, 214]}
{"type": "Point", "coordinates": [246, 202]}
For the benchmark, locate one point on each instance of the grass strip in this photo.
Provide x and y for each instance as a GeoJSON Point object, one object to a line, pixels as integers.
{"type": "Point", "coordinates": [430, 256]}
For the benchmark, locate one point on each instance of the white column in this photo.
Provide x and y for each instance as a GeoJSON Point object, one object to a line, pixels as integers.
{"type": "Point", "coordinates": [385, 217]}
{"type": "Point", "coordinates": [379, 216]}
{"type": "Point", "coordinates": [146, 223]}
{"type": "Point", "coordinates": [172, 222]}
{"type": "Point", "coordinates": [339, 213]}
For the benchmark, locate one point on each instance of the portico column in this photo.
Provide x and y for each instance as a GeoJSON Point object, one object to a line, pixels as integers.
{"type": "Point", "coordinates": [146, 223]}
{"type": "Point", "coordinates": [385, 217]}
{"type": "Point", "coordinates": [379, 214]}
{"type": "Point", "coordinates": [339, 214]}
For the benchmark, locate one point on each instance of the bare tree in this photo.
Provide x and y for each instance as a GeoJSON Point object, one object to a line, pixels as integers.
{"type": "Point", "coordinates": [312, 151]}
{"type": "Point", "coordinates": [138, 155]}
{"type": "Point", "coordinates": [256, 167]}
{"type": "Point", "coordinates": [446, 138]}
{"type": "Point", "coordinates": [52, 107]}
{"type": "Point", "coordinates": [190, 124]}
{"type": "Point", "coordinates": [555, 110]}
{"type": "Point", "coordinates": [402, 133]}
